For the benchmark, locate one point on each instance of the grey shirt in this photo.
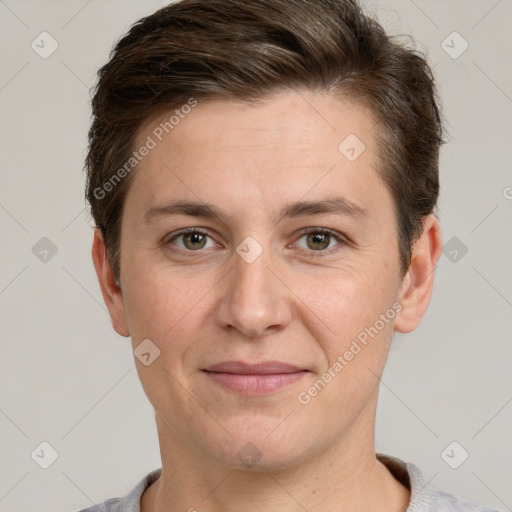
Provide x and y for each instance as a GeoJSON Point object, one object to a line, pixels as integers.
{"type": "Point", "coordinates": [423, 497]}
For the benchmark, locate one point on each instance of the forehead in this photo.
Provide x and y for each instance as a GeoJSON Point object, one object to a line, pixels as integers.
{"type": "Point", "coordinates": [284, 119]}
{"type": "Point", "coordinates": [288, 146]}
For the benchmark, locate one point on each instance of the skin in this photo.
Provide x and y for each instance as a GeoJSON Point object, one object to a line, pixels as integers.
{"type": "Point", "coordinates": [209, 305]}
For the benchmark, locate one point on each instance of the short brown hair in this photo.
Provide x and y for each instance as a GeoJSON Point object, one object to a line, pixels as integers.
{"type": "Point", "coordinates": [245, 50]}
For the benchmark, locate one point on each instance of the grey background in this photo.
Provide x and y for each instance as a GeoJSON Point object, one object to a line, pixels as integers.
{"type": "Point", "coordinates": [68, 379]}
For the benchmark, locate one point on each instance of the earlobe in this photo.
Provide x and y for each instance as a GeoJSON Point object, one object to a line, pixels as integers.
{"type": "Point", "coordinates": [417, 285]}
{"type": "Point", "coordinates": [110, 289]}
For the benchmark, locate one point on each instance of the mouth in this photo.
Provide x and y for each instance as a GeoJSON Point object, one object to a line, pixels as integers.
{"type": "Point", "coordinates": [254, 379]}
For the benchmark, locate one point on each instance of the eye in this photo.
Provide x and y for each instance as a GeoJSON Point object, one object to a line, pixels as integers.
{"type": "Point", "coordinates": [321, 241]}
{"type": "Point", "coordinates": [192, 239]}
{"type": "Point", "coordinates": [318, 240]}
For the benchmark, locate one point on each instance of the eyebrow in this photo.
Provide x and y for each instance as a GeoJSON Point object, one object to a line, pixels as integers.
{"type": "Point", "coordinates": [338, 205]}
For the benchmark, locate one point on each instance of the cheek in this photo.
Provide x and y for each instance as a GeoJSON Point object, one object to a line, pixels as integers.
{"type": "Point", "coordinates": [353, 338]}
{"type": "Point", "coordinates": [347, 300]}
{"type": "Point", "coordinates": [158, 303]}
{"type": "Point", "coordinates": [165, 309]}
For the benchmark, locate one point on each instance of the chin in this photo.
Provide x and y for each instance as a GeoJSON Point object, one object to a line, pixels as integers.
{"type": "Point", "coordinates": [268, 449]}
{"type": "Point", "coordinates": [259, 459]}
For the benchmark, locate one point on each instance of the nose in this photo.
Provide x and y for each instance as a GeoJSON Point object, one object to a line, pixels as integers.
{"type": "Point", "coordinates": [255, 298]}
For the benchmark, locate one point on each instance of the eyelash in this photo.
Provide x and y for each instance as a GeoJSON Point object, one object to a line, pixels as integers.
{"type": "Point", "coordinates": [314, 254]}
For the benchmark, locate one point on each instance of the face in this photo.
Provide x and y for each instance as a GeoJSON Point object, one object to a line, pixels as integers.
{"type": "Point", "coordinates": [262, 275]}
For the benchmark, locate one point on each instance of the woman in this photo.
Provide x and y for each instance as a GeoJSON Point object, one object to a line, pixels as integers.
{"type": "Point", "coordinates": [263, 177]}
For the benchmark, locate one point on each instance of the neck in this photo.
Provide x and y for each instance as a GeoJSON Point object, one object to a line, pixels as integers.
{"type": "Point", "coordinates": [343, 478]}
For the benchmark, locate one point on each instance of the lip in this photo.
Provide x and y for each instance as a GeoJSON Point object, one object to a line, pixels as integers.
{"type": "Point", "coordinates": [263, 368]}
{"type": "Point", "coordinates": [254, 379]}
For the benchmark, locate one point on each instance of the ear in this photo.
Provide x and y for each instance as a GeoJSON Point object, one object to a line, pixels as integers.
{"type": "Point", "coordinates": [417, 285]}
{"type": "Point", "coordinates": [112, 294]}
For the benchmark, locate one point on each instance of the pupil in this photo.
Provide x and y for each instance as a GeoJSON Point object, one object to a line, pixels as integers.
{"type": "Point", "coordinates": [320, 238]}
{"type": "Point", "coordinates": [195, 238]}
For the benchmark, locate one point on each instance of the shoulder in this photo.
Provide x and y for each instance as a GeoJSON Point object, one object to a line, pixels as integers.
{"type": "Point", "coordinates": [128, 503]}
{"type": "Point", "coordinates": [110, 505]}
{"type": "Point", "coordinates": [451, 503]}
{"type": "Point", "coordinates": [425, 498]}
